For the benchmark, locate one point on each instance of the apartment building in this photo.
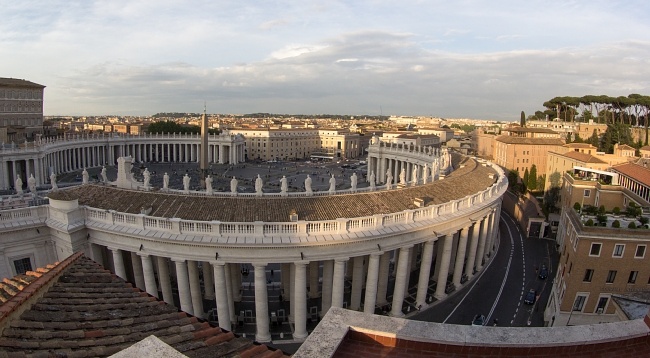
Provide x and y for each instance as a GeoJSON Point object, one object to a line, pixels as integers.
{"type": "Point", "coordinates": [521, 148]}
{"type": "Point", "coordinates": [583, 155]}
{"type": "Point", "coordinates": [21, 110]}
{"type": "Point", "coordinates": [600, 256]}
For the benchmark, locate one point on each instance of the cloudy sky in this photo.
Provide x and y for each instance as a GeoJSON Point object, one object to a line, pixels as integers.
{"type": "Point", "coordinates": [454, 59]}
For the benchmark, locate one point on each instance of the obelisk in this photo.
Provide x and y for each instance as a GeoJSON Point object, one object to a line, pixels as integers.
{"type": "Point", "coordinates": [204, 147]}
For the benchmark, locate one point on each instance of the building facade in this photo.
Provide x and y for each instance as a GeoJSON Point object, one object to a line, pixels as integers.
{"type": "Point", "coordinates": [602, 253]}
{"type": "Point", "coordinates": [21, 110]}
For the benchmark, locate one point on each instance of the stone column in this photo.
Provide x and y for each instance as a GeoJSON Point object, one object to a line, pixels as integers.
{"type": "Point", "coordinates": [149, 277]}
{"type": "Point", "coordinates": [163, 277]}
{"type": "Point", "coordinates": [371, 283]}
{"type": "Point", "coordinates": [328, 274]}
{"type": "Point", "coordinates": [229, 293]}
{"type": "Point", "coordinates": [195, 288]}
{"type": "Point", "coordinates": [313, 279]}
{"type": "Point", "coordinates": [261, 304]}
{"type": "Point", "coordinates": [292, 294]}
{"type": "Point", "coordinates": [338, 282]}
{"type": "Point", "coordinates": [425, 271]}
{"type": "Point", "coordinates": [221, 294]}
{"type": "Point", "coordinates": [235, 282]}
{"type": "Point", "coordinates": [473, 247]}
{"type": "Point", "coordinates": [357, 283]}
{"type": "Point", "coordinates": [136, 263]}
{"type": "Point", "coordinates": [300, 300]}
{"type": "Point", "coordinates": [441, 283]}
{"type": "Point", "coordinates": [481, 243]}
{"type": "Point", "coordinates": [118, 263]}
{"type": "Point", "coordinates": [460, 257]}
{"type": "Point", "coordinates": [208, 282]}
{"type": "Point", "coordinates": [183, 286]}
{"type": "Point", "coordinates": [401, 281]}
{"type": "Point", "coordinates": [382, 285]}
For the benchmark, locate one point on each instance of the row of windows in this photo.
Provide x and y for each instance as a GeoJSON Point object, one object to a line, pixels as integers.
{"type": "Point", "coordinates": [619, 250]}
{"type": "Point", "coordinates": [18, 108]}
{"type": "Point", "coordinates": [611, 276]}
{"type": "Point", "coordinates": [581, 301]}
{"type": "Point", "coordinates": [24, 94]}
{"type": "Point", "coordinates": [20, 122]}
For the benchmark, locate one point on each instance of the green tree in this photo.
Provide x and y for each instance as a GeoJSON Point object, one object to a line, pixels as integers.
{"type": "Point", "coordinates": [594, 139]}
{"type": "Point", "coordinates": [532, 178]}
{"type": "Point", "coordinates": [526, 177]}
{"type": "Point", "coordinates": [522, 121]}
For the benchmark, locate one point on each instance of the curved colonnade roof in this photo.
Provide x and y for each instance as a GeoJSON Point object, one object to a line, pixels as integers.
{"type": "Point", "coordinates": [464, 181]}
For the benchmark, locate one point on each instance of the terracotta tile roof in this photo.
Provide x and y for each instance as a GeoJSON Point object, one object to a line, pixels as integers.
{"type": "Point", "coordinates": [9, 287]}
{"type": "Point", "coordinates": [525, 140]}
{"type": "Point", "coordinates": [80, 309]}
{"type": "Point", "coordinates": [464, 181]}
{"type": "Point", "coordinates": [583, 157]}
{"type": "Point", "coordinates": [637, 172]}
{"type": "Point", "coordinates": [579, 145]}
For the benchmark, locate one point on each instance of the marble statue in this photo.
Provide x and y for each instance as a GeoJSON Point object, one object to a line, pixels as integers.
{"type": "Point", "coordinates": [353, 182]}
{"type": "Point", "coordinates": [389, 180]}
{"type": "Point", "coordinates": [425, 174]}
{"type": "Point", "coordinates": [308, 185]}
{"type": "Point", "coordinates": [283, 186]}
{"type": "Point", "coordinates": [258, 185]}
{"type": "Point", "coordinates": [31, 184]}
{"type": "Point", "coordinates": [166, 181]}
{"type": "Point", "coordinates": [53, 182]}
{"type": "Point", "coordinates": [84, 177]}
{"type": "Point", "coordinates": [332, 184]}
{"type": "Point", "coordinates": [186, 183]}
{"type": "Point", "coordinates": [19, 186]}
{"type": "Point", "coordinates": [233, 185]}
{"type": "Point", "coordinates": [103, 174]}
{"type": "Point", "coordinates": [147, 178]}
{"type": "Point", "coordinates": [402, 177]}
{"type": "Point", "coordinates": [372, 181]}
{"type": "Point", "coordinates": [414, 175]}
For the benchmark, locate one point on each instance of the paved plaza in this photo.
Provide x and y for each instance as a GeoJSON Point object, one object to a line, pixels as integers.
{"type": "Point", "coordinates": [245, 173]}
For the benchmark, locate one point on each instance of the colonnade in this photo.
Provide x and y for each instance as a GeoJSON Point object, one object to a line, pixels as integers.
{"type": "Point", "coordinates": [71, 155]}
{"type": "Point", "coordinates": [449, 259]}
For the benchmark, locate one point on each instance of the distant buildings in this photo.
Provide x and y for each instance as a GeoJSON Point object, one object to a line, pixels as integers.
{"type": "Point", "coordinates": [21, 110]}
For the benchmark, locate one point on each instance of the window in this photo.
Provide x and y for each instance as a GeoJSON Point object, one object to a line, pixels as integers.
{"type": "Point", "coordinates": [640, 252]}
{"type": "Point", "coordinates": [618, 250]}
{"type": "Point", "coordinates": [579, 303]}
{"type": "Point", "coordinates": [22, 265]}
{"type": "Point", "coordinates": [632, 277]}
{"type": "Point", "coordinates": [611, 276]}
{"type": "Point", "coordinates": [589, 274]}
{"type": "Point", "coordinates": [602, 303]}
{"type": "Point", "coordinates": [587, 193]}
{"type": "Point", "coordinates": [595, 249]}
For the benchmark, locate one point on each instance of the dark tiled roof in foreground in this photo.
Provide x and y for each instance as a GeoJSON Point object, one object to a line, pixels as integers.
{"type": "Point", "coordinates": [468, 180]}
{"type": "Point", "coordinates": [9, 287]}
{"type": "Point", "coordinates": [89, 312]}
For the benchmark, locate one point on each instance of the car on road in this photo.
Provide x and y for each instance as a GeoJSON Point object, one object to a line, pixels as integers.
{"type": "Point", "coordinates": [531, 296]}
{"type": "Point", "coordinates": [479, 320]}
{"type": "Point", "coordinates": [543, 272]}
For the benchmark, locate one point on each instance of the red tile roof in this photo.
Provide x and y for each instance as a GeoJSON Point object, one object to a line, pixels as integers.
{"type": "Point", "coordinates": [635, 171]}
{"type": "Point", "coordinates": [80, 309]}
{"type": "Point", "coordinates": [583, 157]}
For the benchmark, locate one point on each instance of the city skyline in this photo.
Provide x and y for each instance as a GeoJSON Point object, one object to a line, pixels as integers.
{"type": "Point", "coordinates": [460, 60]}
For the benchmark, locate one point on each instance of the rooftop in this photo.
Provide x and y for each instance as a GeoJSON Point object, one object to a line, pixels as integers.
{"type": "Point", "coordinates": [15, 82]}
{"type": "Point", "coordinates": [351, 334]}
{"type": "Point", "coordinates": [80, 309]}
{"type": "Point", "coordinates": [464, 181]}
{"type": "Point", "coordinates": [525, 140]}
{"type": "Point", "coordinates": [635, 171]}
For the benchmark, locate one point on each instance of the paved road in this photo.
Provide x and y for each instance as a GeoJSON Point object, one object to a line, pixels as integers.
{"type": "Point", "coordinates": [499, 291]}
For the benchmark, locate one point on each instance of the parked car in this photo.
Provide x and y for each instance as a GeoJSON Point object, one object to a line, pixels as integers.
{"type": "Point", "coordinates": [531, 296]}
{"type": "Point", "coordinates": [479, 320]}
{"type": "Point", "coordinates": [543, 272]}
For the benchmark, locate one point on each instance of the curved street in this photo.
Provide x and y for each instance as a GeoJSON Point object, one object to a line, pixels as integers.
{"type": "Point", "coordinates": [499, 291]}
